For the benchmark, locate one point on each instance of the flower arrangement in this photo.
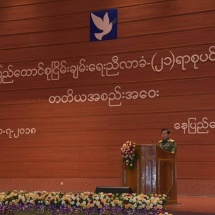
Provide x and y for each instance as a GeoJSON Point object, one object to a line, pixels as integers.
{"type": "Point", "coordinates": [86, 202]}
{"type": "Point", "coordinates": [129, 154]}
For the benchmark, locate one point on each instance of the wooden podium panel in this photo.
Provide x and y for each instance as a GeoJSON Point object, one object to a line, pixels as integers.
{"type": "Point", "coordinates": [155, 172]}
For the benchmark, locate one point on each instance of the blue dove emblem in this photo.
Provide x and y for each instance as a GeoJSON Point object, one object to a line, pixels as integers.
{"type": "Point", "coordinates": [102, 28]}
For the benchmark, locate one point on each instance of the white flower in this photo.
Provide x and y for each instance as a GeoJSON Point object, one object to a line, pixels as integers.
{"type": "Point", "coordinates": [47, 203]}
{"type": "Point", "coordinates": [160, 206]}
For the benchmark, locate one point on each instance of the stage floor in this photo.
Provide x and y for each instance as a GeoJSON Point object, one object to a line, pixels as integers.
{"type": "Point", "coordinates": [191, 205]}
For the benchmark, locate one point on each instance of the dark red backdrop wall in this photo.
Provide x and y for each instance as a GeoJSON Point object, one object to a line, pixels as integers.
{"type": "Point", "coordinates": [79, 143]}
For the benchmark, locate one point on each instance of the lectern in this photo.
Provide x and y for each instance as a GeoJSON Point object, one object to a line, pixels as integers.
{"type": "Point", "coordinates": [155, 172]}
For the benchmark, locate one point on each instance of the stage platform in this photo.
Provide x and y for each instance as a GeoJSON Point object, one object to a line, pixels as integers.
{"type": "Point", "coordinates": [193, 205]}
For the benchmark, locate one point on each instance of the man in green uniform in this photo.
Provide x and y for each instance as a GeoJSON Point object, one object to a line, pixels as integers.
{"type": "Point", "coordinates": [166, 143]}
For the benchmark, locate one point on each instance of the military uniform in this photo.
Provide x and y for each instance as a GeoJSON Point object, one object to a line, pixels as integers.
{"type": "Point", "coordinates": [168, 145]}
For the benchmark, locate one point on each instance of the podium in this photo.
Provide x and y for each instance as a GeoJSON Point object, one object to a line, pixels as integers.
{"type": "Point", "coordinates": [155, 172]}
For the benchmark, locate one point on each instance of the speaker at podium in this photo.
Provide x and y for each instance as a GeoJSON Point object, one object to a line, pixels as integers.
{"type": "Point", "coordinates": [155, 172]}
